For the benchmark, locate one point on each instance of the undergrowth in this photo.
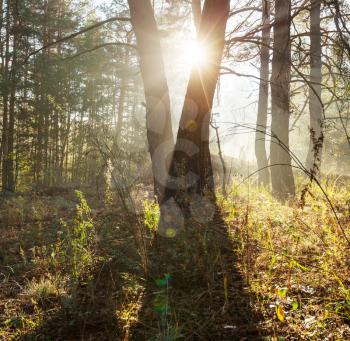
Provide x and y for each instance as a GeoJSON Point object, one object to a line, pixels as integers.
{"type": "Point", "coordinates": [295, 258]}
{"type": "Point", "coordinates": [70, 271]}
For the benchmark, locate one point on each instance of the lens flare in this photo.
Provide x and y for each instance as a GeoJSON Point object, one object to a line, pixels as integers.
{"type": "Point", "coordinates": [195, 53]}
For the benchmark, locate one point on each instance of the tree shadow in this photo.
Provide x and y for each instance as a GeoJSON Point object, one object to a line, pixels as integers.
{"type": "Point", "coordinates": [88, 313]}
{"type": "Point", "coordinates": [195, 290]}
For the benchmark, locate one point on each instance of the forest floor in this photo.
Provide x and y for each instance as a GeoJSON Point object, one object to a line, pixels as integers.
{"type": "Point", "coordinates": [77, 267]}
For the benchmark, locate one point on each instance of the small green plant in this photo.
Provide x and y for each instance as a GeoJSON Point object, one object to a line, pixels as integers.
{"type": "Point", "coordinates": [76, 249]}
{"type": "Point", "coordinates": [152, 213]}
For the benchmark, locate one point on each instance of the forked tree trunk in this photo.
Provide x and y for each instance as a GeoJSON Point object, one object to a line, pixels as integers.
{"type": "Point", "coordinates": [260, 136]}
{"type": "Point", "coordinates": [282, 178]}
{"type": "Point", "coordinates": [191, 169]}
{"type": "Point", "coordinates": [314, 156]}
{"type": "Point", "coordinates": [158, 115]}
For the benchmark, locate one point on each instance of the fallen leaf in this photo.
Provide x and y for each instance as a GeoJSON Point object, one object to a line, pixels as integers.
{"type": "Point", "coordinates": [280, 313]}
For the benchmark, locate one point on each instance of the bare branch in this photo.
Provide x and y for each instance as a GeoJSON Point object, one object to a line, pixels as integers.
{"type": "Point", "coordinates": [75, 34]}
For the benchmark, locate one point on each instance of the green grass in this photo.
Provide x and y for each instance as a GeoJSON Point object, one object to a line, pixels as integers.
{"type": "Point", "coordinates": [267, 271]}
{"type": "Point", "coordinates": [300, 248]}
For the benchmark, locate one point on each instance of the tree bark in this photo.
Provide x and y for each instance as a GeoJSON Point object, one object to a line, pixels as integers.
{"type": "Point", "coordinates": [314, 156]}
{"type": "Point", "coordinates": [158, 114]}
{"type": "Point", "coordinates": [197, 13]}
{"type": "Point", "coordinates": [260, 136]}
{"type": "Point", "coordinates": [282, 178]}
{"type": "Point", "coordinates": [121, 102]}
{"type": "Point", "coordinates": [5, 96]}
{"type": "Point", "coordinates": [12, 115]}
{"type": "Point", "coordinates": [191, 169]}
{"type": "Point", "coordinates": [1, 38]}
{"type": "Point", "coordinates": [42, 110]}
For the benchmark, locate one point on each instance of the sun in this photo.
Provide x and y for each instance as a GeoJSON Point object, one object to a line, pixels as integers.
{"type": "Point", "coordinates": [195, 53]}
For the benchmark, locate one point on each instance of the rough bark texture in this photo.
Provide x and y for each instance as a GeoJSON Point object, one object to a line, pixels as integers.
{"type": "Point", "coordinates": [313, 161]}
{"type": "Point", "coordinates": [158, 115]}
{"type": "Point", "coordinates": [260, 137]}
{"type": "Point", "coordinates": [191, 169]}
{"type": "Point", "coordinates": [280, 159]}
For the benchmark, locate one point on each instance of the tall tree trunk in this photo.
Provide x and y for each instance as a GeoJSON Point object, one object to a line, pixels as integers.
{"type": "Point", "coordinates": [42, 103]}
{"type": "Point", "coordinates": [5, 96]}
{"type": "Point", "coordinates": [1, 37]}
{"type": "Point", "coordinates": [120, 114]}
{"type": "Point", "coordinates": [191, 169]}
{"type": "Point", "coordinates": [46, 140]}
{"type": "Point", "coordinates": [65, 147]}
{"type": "Point", "coordinates": [158, 114]}
{"type": "Point", "coordinates": [314, 156]}
{"type": "Point", "coordinates": [121, 102]}
{"type": "Point", "coordinates": [2, 60]}
{"type": "Point", "coordinates": [58, 118]}
{"type": "Point", "coordinates": [260, 137]}
{"type": "Point", "coordinates": [282, 178]}
{"type": "Point", "coordinates": [13, 81]}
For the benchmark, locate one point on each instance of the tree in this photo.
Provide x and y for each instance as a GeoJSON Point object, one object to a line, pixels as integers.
{"type": "Point", "coordinates": [314, 155]}
{"type": "Point", "coordinates": [282, 178]}
{"type": "Point", "coordinates": [158, 115]}
{"type": "Point", "coordinates": [191, 169]}
{"type": "Point", "coordinates": [196, 13]}
{"type": "Point", "coordinates": [5, 96]}
{"type": "Point", "coordinates": [260, 136]}
{"type": "Point", "coordinates": [9, 96]}
{"type": "Point", "coordinates": [13, 80]}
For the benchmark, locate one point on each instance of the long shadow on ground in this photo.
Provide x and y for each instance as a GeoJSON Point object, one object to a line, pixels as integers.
{"type": "Point", "coordinates": [195, 291]}
{"type": "Point", "coordinates": [88, 314]}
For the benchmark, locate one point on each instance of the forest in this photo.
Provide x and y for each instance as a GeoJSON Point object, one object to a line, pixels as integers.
{"type": "Point", "coordinates": [175, 170]}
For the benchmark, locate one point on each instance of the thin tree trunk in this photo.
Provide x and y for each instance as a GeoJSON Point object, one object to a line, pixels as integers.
{"type": "Point", "coordinates": [11, 154]}
{"type": "Point", "coordinates": [260, 137]}
{"type": "Point", "coordinates": [121, 103]}
{"type": "Point", "coordinates": [1, 40]}
{"type": "Point", "coordinates": [124, 82]}
{"type": "Point", "coordinates": [222, 160]}
{"type": "Point", "coordinates": [56, 180]}
{"type": "Point", "coordinates": [191, 169]}
{"type": "Point", "coordinates": [158, 114]}
{"type": "Point", "coordinates": [58, 120]}
{"type": "Point", "coordinates": [282, 178]}
{"type": "Point", "coordinates": [2, 60]}
{"type": "Point", "coordinates": [42, 105]}
{"type": "Point", "coordinates": [47, 145]}
{"type": "Point", "coordinates": [65, 148]}
{"type": "Point", "coordinates": [120, 113]}
{"type": "Point", "coordinates": [5, 95]}
{"type": "Point", "coordinates": [48, 107]}
{"type": "Point", "coordinates": [314, 156]}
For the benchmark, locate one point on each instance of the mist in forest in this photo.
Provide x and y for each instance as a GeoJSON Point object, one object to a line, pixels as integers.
{"type": "Point", "coordinates": [174, 170]}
